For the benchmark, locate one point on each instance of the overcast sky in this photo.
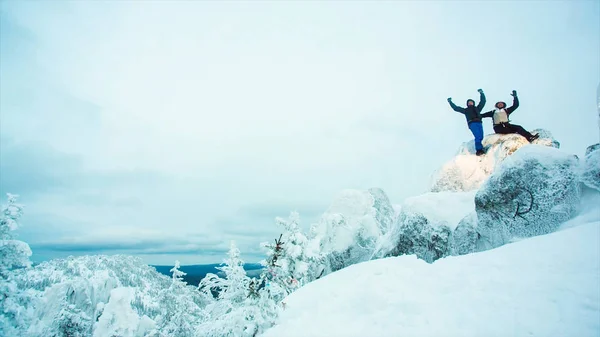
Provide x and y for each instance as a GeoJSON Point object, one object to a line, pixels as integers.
{"type": "Point", "coordinates": [164, 129]}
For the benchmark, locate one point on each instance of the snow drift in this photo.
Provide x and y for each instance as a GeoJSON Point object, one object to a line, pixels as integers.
{"type": "Point", "coordinates": [544, 286]}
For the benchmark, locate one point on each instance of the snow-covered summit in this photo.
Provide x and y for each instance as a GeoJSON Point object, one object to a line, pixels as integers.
{"type": "Point", "coordinates": [467, 172]}
{"type": "Point", "coordinates": [515, 190]}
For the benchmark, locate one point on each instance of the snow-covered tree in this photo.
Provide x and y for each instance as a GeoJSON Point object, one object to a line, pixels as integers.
{"type": "Point", "coordinates": [63, 297]}
{"type": "Point", "coordinates": [179, 314]}
{"type": "Point", "coordinates": [13, 253]}
{"type": "Point", "coordinates": [239, 308]}
{"type": "Point", "coordinates": [231, 289]}
{"type": "Point", "coordinates": [177, 274]}
{"type": "Point", "coordinates": [292, 261]}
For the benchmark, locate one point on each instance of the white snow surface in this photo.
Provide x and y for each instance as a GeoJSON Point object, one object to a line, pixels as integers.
{"type": "Point", "coordinates": [450, 207]}
{"type": "Point", "coordinates": [547, 286]}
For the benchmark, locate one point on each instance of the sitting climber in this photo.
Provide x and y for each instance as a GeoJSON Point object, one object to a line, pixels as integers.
{"type": "Point", "coordinates": [473, 115]}
{"type": "Point", "coordinates": [502, 124]}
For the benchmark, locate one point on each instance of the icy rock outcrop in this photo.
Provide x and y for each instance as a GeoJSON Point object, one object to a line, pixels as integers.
{"type": "Point", "coordinates": [465, 237]}
{"type": "Point", "coordinates": [546, 138]}
{"type": "Point", "coordinates": [531, 193]}
{"type": "Point", "coordinates": [467, 172]}
{"type": "Point", "coordinates": [417, 235]}
{"type": "Point", "coordinates": [385, 213]}
{"type": "Point", "coordinates": [424, 225]}
{"type": "Point", "coordinates": [590, 172]}
{"type": "Point", "coordinates": [348, 231]}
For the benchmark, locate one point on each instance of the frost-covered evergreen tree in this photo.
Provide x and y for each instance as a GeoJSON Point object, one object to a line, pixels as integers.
{"type": "Point", "coordinates": [13, 253]}
{"type": "Point", "coordinates": [239, 309]}
{"type": "Point", "coordinates": [180, 314]}
{"type": "Point", "coordinates": [64, 297]}
{"type": "Point", "coordinates": [233, 289]}
{"type": "Point", "coordinates": [177, 274]}
{"type": "Point", "coordinates": [292, 261]}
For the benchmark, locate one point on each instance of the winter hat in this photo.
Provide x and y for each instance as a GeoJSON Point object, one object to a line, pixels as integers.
{"type": "Point", "coordinates": [470, 100]}
{"type": "Point", "coordinates": [503, 105]}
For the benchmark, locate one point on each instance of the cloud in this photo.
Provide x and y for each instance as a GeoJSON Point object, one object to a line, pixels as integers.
{"type": "Point", "coordinates": [32, 169]}
{"type": "Point", "coordinates": [35, 168]}
{"type": "Point", "coordinates": [270, 211]}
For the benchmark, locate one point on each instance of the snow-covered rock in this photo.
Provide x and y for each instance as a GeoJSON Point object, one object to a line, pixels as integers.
{"type": "Point", "coordinates": [417, 235]}
{"type": "Point", "coordinates": [467, 172]}
{"type": "Point", "coordinates": [590, 172]}
{"type": "Point", "coordinates": [531, 193]}
{"type": "Point", "coordinates": [465, 238]}
{"type": "Point", "coordinates": [546, 138]}
{"type": "Point", "coordinates": [384, 211]}
{"type": "Point", "coordinates": [592, 148]}
{"type": "Point", "coordinates": [348, 231]}
{"type": "Point", "coordinates": [545, 286]}
{"type": "Point", "coordinates": [424, 225]}
{"type": "Point", "coordinates": [451, 207]}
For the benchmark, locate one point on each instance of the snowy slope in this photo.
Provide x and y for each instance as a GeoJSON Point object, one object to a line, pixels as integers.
{"type": "Point", "coordinates": [544, 286]}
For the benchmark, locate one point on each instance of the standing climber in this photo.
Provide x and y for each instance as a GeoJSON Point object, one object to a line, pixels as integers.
{"type": "Point", "coordinates": [473, 115]}
{"type": "Point", "coordinates": [501, 123]}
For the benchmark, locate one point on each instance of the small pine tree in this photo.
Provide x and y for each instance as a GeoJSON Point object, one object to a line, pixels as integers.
{"type": "Point", "coordinates": [177, 274]}
{"type": "Point", "coordinates": [235, 285]}
{"type": "Point", "coordinates": [290, 262]}
{"type": "Point", "coordinates": [239, 309]}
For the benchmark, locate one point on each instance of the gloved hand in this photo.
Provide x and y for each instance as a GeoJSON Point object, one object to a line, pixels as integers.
{"type": "Point", "coordinates": [514, 93]}
{"type": "Point", "coordinates": [449, 99]}
{"type": "Point", "coordinates": [480, 91]}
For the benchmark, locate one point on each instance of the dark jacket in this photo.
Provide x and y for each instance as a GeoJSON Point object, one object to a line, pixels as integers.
{"type": "Point", "coordinates": [508, 110]}
{"type": "Point", "coordinates": [472, 113]}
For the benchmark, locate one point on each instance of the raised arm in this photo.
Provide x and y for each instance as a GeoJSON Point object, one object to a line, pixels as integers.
{"type": "Point", "coordinates": [489, 114]}
{"type": "Point", "coordinates": [481, 100]}
{"type": "Point", "coordinates": [515, 104]}
{"type": "Point", "coordinates": [455, 107]}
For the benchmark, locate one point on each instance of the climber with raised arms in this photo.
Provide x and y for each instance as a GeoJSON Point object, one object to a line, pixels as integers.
{"type": "Point", "coordinates": [501, 122]}
{"type": "Point", "coordinates": [473, 115]}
